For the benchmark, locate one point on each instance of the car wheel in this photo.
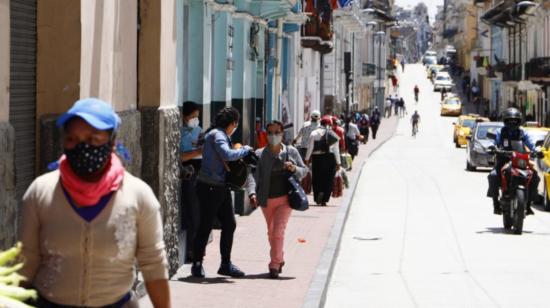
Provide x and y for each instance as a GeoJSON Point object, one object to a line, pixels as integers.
{"type": "Point", "coordinates": [545, 201]}
{"type": "Point", "coordinates": [457, 145]}
{"type": "Point", "coordinates": [469, 166]}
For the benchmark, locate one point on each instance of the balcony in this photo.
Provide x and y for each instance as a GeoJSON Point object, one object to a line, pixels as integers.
{"type": "Point", "coordinates": [512, 74]}
{"type": "Point", "coordinates": [538, 68]}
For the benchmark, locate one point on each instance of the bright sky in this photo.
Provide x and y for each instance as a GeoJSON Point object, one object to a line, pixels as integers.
{"type": "Point", "coordinates": [432, 5]}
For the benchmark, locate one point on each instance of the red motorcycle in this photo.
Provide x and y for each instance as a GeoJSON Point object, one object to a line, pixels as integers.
{"type": "Point", "coordinates": [516, 178]}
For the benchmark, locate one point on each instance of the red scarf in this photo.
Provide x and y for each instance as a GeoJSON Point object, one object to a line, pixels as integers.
{"type": "Point", "coordinates": [88, 193]}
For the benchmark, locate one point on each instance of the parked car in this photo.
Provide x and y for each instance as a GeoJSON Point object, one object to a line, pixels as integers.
{"type": "Point", "coordinates": [536, 134]}
{"type": "Point", "coordinates": [463, 128]}
{"type": "Point", "coordinates": [433, 70]}
{"type": "Point", "coordinates": [443, 81]}
{"type": "Point", "coordinates": [451, 106]}
{"type": "Point", "coordinates": [428, 60]}
{"type": "Point", "coordinates": [478, 144]}
{"type": "Point", "coordinates": [542, 165]}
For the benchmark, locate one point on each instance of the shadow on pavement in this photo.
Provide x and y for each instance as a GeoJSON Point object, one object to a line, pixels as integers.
{"type": "Point", "coordinates": [502, 231]}
{"type": "Point", "coordinates": [265, 276]}
{"type": "Point", "coordinates": [212, 280]}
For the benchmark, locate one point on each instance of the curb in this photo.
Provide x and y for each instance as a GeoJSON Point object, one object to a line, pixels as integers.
{"type": "Point", "coordinates": [317, 292]}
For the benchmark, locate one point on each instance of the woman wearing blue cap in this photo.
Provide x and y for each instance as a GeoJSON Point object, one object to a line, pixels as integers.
{"type": "Point", "coordinates": [84, 226]}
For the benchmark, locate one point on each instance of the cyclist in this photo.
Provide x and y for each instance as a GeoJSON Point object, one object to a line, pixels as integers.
{"type": "Point", "coordinates": [416, 91]}
{"type": "Point", "coordinates": [415, 118]}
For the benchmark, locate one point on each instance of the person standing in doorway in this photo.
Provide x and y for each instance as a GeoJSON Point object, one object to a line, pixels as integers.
{"type": "Point", "coordinates": [191, 158]}
{"type": "Point", "coordinates": [214, 195]}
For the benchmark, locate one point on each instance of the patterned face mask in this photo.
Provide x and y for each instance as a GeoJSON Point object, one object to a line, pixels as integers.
{"type": "Point", "coordinates": [86, 159]}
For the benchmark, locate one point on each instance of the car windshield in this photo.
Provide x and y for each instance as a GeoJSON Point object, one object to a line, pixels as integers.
{"type": "Point", "coordinates": [443, 78]}
{"type": "Point", "coordinates": [453, 101]}
{"type": "Point", "coordinates": [469, 123]}
{"type": "Point", "coordinates": [431, 60]}
{"type": "Point", "coordinates": [483, 130]}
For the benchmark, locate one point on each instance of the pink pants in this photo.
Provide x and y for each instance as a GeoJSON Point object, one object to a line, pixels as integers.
{"type": "Point", "coordinates": [276, 215]}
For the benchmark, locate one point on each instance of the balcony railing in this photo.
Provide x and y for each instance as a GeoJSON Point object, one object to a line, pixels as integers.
{"type": "Point", "coordinates": [512, 74]}
{"type": "Point", "coordinates": [538, 68]}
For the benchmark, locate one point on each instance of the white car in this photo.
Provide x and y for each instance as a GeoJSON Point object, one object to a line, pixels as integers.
{"type": "Point", "coordinates": [443, 81]}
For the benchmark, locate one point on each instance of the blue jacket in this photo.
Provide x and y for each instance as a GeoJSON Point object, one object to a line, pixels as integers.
{"type": "Point", "coordinates": [502, 143]}
{"type": "Point", "coordinates": [217, 147]}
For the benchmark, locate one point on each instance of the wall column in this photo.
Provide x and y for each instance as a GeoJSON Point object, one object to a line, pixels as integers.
{"type": "Point", "coordinates": [8, 206]}
{"type": "Point", "coordinates": [222, 54]}
{"type": "Point", "coordinates": [160, 71]}
{"type": "Point", "coordinates": [199, 51]}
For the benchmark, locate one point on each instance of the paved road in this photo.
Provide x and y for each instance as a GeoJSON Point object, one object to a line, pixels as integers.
{"type": "Point", "coordinates": [421, 232]}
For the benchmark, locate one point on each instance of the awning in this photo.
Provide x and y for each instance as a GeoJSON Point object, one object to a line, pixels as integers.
{"type": "Point", "coordinates": [268, 9]}
{"type": "Point", "coordinates": [349, 20]}
{"type": "Point", "coordinates": [499, 14]}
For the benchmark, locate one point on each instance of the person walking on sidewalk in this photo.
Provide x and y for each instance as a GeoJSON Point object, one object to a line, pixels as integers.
{"type": "Point", "coordinates": [340, 132]}
{"type": "Point", "coordinates": [387, 107]}
{"type": "Point", "coordinates": [84, 225]}
{"type": "Point", "coordinates": [375, 122]}
{"type": "Point", "coordinates": [305, 133]}
{"type": "Point", "coordinates": [353, 136]}
{"type": "Point", "coordinates": [214, 195]}
{"type": "Point", "coordinates": [268, 188]}
{"type": "Point", "coordinates": [324, 155]}
{"type": "Point", "coordinates": [191, 158]}
{"type": "Point", "coordinates": [364, 127]}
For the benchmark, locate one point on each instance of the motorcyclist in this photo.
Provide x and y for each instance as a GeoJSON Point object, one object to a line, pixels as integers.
{"type": "Point", "coordinates": [510, 132]}
{"type": "Point", "coordinates": [416, 91]}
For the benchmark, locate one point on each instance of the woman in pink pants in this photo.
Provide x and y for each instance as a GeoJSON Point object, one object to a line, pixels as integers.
{"type": "Point", "coordinates": [269, 187]}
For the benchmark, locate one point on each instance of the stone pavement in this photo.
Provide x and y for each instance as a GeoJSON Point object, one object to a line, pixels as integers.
{"type": "Point", "coordinates": [306, 237]}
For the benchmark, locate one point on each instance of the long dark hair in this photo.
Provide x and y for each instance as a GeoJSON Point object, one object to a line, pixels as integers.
{"type": "Point", "coordinates": [226, 117]}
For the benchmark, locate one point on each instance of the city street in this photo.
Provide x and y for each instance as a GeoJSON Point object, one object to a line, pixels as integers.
{"type": "Point", "coordinates": [421, 233]}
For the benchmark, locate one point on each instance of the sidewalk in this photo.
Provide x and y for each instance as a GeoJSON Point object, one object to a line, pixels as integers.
{"type": "Point", "coordinates": [305, 240]}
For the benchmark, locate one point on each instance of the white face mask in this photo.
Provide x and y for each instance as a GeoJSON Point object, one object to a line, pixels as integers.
{"type": "Point", "coordinates": [274, 140]}
{"type": "Point", "coordinates": [194, 122]}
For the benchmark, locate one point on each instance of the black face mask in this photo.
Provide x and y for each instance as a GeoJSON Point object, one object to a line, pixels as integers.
{"type": "Point", "coordinates": [86, 159]}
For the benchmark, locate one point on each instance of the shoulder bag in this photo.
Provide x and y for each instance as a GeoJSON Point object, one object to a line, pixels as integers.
{"type": "Point", "coordinates": [297, 198]}
{"type": "Point", "coordinates": [236, 171]}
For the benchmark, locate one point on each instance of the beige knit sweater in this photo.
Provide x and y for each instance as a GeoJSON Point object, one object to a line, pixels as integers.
{"type": "Point", "coordinates": [76, 263]}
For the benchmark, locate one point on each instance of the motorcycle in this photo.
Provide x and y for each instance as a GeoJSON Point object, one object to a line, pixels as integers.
{"type": "Point", "coordinates": [516, 176]}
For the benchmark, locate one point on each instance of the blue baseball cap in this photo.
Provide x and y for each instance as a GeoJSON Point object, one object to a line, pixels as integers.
{"type": "Point", "coordinates": [95, 112]}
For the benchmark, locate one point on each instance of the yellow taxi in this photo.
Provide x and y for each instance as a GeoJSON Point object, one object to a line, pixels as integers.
{"type": "Point", "coordinates": [463, 128]}
{"type": "Point", "coordinates": [451, 106]}
{"type": "Point", "coordinates": [542, 165]}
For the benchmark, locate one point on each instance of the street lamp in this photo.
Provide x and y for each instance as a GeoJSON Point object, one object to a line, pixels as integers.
{"type": "Point", "coordinates": [379, 94]}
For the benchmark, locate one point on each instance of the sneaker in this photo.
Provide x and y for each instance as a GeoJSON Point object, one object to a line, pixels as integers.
{"type": "Point", "coordinates": [231, 270]}
{"type": "Point", "coordinates": [197, 270]}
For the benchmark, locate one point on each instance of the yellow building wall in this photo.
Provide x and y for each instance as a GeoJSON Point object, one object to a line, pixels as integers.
{"type": "Point", "coordinates": [58, 56]}
{"type": "Point", "coordinates": [108, 67]}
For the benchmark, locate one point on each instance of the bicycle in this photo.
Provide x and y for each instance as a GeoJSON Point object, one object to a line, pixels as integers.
{"type": "Point", "coordinates": [414, 129]}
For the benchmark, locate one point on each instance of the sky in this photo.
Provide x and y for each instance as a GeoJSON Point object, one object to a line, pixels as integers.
{"type": "Point", "coordinates": [432, 5]}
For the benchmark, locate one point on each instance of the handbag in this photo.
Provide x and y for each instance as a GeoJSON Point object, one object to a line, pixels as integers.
{"type": "Point", "coordinates": [236, 171]}
{"type": "Point", "coordinates": [297, 198]}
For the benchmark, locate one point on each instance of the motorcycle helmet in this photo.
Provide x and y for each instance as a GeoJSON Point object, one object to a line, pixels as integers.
{"type": "Point", "coordinates": [511, 118]}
